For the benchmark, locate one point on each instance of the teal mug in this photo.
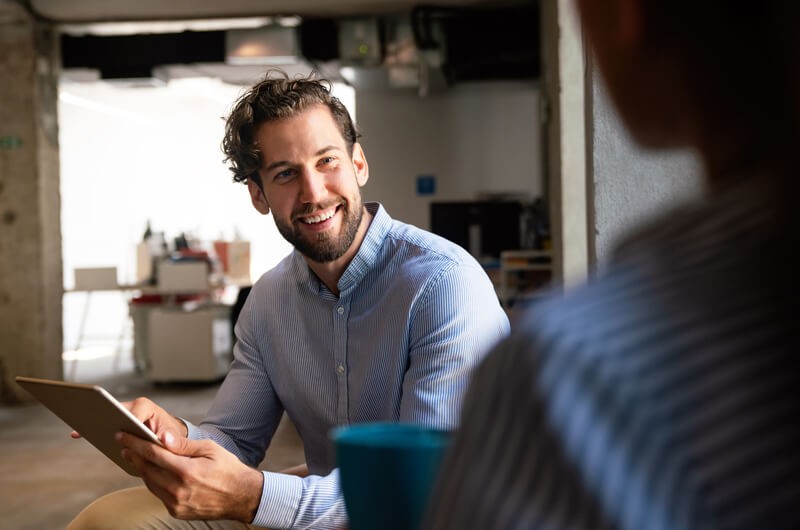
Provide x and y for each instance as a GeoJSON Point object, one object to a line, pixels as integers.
{"type": "Point", "coordinates": [387, 472]}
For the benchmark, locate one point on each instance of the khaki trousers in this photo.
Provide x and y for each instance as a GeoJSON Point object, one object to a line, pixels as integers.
{"type": "Point", "coordinates": [138, 509]}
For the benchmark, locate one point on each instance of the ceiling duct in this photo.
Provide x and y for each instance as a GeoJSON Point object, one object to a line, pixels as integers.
{"type": "Point", "coordinates": [380, 53]}
{"type": "Point", "coordinates": [479, 44]}
{"type": "Point", "coordinates": [270, 45]}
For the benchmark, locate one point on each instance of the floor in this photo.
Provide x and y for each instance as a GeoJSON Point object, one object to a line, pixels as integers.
{"type": "Point", "coordinates": [46, 478]}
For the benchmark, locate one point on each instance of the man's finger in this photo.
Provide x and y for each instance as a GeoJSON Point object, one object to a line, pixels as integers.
{"type": "Point", "coordinates": [184, 446]}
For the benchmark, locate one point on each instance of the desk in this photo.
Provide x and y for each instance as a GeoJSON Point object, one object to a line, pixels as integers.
{"type": "Point", "coordinates": [536, 264]}
{"type": "Point", "coordinates": [181, 335]}
{"type": "Point", "coordinates": [172, 310]}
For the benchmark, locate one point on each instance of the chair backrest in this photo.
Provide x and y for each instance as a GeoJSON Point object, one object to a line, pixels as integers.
{"type": "Point", "coordinates": [241, 297]}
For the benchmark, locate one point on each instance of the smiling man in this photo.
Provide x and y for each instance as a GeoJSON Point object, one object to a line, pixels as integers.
{"type": "Point", "coordinates": [368, 319]}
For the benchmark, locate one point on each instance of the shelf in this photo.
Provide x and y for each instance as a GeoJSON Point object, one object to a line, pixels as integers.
{"type": "Point", "coordinates": [521, 262]}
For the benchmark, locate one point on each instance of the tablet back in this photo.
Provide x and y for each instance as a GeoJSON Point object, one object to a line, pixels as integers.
{"type": "Point", "coordinates": [90, 410]}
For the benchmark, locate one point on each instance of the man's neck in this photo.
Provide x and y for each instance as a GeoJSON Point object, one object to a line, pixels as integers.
{"type": "Point", "coordinates": [330, 272]}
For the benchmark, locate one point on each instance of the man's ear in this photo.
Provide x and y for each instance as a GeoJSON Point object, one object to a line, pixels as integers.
{"type": "Point", "coordinates": [260, 202]}
{"type": "Point", "coordinates": [360, 165]}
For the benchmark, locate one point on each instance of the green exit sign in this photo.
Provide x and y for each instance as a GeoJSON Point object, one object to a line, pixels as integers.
{"type": "Point", "coordinates": [10, 142]}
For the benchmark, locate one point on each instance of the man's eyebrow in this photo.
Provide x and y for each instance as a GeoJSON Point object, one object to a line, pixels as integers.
{"type": "Point", "coordinates": [277, 164]}
{"type": "Point", "coordinates": [328, 148]}
{"type": "Point", "coordinates": [319, 152]}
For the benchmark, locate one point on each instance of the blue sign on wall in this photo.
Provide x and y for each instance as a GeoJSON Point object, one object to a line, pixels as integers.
{"type": "Point", "coordinates": [426, 185]}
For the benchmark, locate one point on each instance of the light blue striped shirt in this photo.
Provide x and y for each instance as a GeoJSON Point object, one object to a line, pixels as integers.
{"type": "Point", "coordinates": [415, 314]}
{"type": "Point", "coordinates": [662, 396]}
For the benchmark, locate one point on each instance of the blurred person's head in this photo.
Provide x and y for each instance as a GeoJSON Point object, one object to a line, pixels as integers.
{"type": "Point", "coordinates": [717, 75]}
{"type": "Point", "coordinates": [276, 97]}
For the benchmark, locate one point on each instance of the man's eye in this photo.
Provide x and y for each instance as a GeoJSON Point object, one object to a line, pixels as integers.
{"type": "Point", "coordinates": [284, 175]}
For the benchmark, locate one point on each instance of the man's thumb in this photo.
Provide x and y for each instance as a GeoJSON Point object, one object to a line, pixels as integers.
{"type": "Point", "coordinates": [174, 443]}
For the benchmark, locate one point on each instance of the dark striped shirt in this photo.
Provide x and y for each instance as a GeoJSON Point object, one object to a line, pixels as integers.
{"type": "Point", "coordinates": [660, 396]}
{"type": "Point", "coordinates": [415, 315]}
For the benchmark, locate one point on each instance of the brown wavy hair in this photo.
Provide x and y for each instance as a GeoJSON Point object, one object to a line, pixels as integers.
{"type": "Point", "coordinates": [276, 97]}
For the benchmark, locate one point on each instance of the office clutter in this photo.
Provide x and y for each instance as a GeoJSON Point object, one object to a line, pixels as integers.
{"type": "Point", "coordinates": [508, 234]}
{"type": "Point", "coordinates": [181, 323]}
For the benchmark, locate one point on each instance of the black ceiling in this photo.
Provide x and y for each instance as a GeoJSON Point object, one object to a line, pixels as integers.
{"type": "Point", "coordinates": [480, 44]}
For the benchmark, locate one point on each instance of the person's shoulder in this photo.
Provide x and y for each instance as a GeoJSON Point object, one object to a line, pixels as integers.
{"type": "Point", "coordinates": [417, 241]}
{"type": "Point", "coordinates": [278, 275]}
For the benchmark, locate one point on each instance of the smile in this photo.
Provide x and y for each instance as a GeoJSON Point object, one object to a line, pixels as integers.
{"type": "Point", "coordinates": [319, 218]}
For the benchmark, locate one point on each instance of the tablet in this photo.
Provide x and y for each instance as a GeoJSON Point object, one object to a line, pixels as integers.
{"type": "Point", "coordinates": [92, 411]}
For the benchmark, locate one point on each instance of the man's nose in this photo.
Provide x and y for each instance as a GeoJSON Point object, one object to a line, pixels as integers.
{"type": "Point", "coordinates": [312, 187]}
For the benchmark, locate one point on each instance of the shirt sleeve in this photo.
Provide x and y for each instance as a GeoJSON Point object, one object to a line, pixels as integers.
{"type": "Point", "coordinates": [457, 323]}
{"type": "Point", "coordinates": [506, 468]}
{"type": "Point", "coordinates": [246, 410]}
{"type": "Point", "coordinates": [289, 501]}
{"type": "Point", "coordinates": [312, 502]}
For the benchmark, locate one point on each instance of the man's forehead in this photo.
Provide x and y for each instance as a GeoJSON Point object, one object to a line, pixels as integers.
{"type": "Point", "coordinates": [293, 141]}
{"type": "Point", "coordinates": [314, 122]}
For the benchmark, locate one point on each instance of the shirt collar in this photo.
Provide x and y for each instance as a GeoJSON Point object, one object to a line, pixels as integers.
{"type": "Point", "coordinates": [364, 260]}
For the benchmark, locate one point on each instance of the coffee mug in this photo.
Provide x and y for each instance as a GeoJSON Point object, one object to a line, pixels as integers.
{"type": "Point", "coordinates": [387, 472]}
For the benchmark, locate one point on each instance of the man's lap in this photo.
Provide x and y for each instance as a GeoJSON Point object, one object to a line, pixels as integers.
{"type": "Point", "coordinates": [138, 509]}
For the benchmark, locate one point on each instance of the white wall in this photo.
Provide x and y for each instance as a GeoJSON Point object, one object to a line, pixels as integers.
{"type": "Point", "coordinates": [129, 155]}
{"type": "Point", "coordinates": [474, 137]}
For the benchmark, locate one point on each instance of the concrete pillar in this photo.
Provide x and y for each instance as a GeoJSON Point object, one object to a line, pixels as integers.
{"type": "Point", "coordinates": [565, 96]}
{"type": "Point", "coordinates": [601, 185]}
{"type": "Point", "coordinates": [31, 285]}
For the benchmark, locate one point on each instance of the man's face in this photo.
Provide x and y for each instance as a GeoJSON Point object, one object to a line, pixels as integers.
{"type": "Point", "coordinates": [311, 183]}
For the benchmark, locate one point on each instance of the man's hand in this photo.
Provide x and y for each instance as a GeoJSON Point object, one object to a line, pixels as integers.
{"type": "Point", "coordinates": [157, 419]}
{"type": "Point", "coordinates": [195, 479]}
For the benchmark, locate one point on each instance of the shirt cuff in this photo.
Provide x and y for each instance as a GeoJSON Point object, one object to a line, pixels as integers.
{"type": "Point", "coordinates": [192, 432]}
{"type": "Point", "coordinates": [280, 500]}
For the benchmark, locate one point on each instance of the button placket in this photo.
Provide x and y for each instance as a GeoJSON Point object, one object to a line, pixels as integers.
{"type": "Point", "coordinates": [340, 360]}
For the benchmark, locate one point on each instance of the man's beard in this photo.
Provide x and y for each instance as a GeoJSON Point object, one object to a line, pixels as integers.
{"type": "Point", "coordinates": [326, 247]}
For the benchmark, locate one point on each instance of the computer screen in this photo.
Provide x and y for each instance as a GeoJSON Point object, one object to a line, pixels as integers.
{"type": "Point", "coordinates": [483, 228]}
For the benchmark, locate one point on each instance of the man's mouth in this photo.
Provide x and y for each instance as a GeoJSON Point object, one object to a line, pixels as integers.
{"type": "Point", "coordinates": [320, 217]}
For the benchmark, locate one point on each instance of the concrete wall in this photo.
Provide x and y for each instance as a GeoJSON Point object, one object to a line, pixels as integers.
{"type": "Point", "coordinates": [30, 236]}
{"type": "Point", "coordinates": [473, 137]}
{"type": "Point", "coordinates": [630, 185]}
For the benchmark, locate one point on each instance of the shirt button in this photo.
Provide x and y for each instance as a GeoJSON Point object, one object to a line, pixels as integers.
{"type": "Point", "coordinates": [340, 369]}
{"type": "Point", "coordinates": [340, 310]}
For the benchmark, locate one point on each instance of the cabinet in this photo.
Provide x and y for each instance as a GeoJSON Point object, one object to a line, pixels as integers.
{"type": "Point", "coordinates": [192, 345]}
{"type": "Point", "coordinates": [521, 273]}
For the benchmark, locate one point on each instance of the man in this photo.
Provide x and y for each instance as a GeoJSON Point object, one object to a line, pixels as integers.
{"type": "Point", "coordinates": [369, 319]}
{"type": "Point", "coordinates": [662, 395]}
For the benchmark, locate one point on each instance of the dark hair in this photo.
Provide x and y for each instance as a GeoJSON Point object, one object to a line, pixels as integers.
{"type": "Point", "coordinates": [740, 57]}
{"type": "Point", "coordinates": [274, 98]}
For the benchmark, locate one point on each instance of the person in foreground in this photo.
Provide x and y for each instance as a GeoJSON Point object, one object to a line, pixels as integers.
{"type": "Point", "coordinates": [368, 319]}
{"type": "Point", "coordinates": [662, 394]}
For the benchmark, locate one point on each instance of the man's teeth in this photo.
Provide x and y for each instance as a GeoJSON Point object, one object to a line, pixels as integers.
{"type": "Point", "coordinates": [319, 218]}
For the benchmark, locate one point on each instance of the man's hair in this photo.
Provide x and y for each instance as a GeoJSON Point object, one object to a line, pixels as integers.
{"type": "Point", "coordinates": [276, 97]}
